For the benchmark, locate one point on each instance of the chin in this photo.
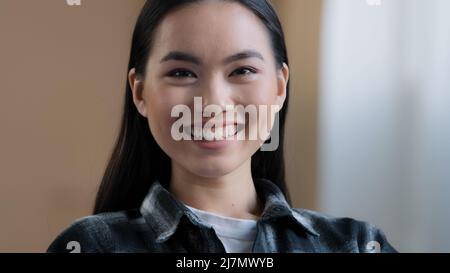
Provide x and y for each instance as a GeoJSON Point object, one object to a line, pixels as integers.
{"type": "Point", "coordinates": [208, 169]}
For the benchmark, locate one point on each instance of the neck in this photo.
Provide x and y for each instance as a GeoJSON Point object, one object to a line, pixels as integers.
{"type": "Point", "coordinates": [232, 195]}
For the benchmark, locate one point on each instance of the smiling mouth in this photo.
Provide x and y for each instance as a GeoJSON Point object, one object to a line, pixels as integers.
{"type": "Point", "coordinates": [226, 132]}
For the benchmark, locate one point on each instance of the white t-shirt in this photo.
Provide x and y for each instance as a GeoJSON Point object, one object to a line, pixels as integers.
{"type": "Point", "coordinates": [237, 235]}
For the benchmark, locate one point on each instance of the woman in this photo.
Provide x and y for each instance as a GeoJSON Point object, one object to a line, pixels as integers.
{"type": "Point", "coordinates": [196, 187]}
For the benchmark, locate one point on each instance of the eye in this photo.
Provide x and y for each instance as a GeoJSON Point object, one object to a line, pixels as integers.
{"type": "Point", "coordinates": [244, 71]}
{"type": "Point", "coordinates": [181, 73]}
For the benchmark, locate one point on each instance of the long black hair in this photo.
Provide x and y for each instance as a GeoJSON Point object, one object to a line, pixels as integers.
{"type": "Point", "coordinates": [137, 160]}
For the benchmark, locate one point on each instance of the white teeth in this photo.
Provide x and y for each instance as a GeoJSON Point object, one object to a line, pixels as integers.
{"type": "Point", "coordinates": [230, 130]}
{"type": "Point", "coordinates": [218, 134]}
{"type": "Point", "coordinates": [197, 133]}
{"type": "Point", "coordinates": [208, 134]}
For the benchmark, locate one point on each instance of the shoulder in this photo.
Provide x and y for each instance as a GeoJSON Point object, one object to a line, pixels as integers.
{"type": "Point", "coordinates": [97, 233]}
{"type": "Point", "coordinates": [344, 234]}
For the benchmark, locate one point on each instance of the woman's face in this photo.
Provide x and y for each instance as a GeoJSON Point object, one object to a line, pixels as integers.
{"type": "Point", "coordinates": [219, 51]}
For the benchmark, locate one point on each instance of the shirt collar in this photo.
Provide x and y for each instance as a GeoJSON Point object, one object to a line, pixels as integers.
{"type": "Point", "coordinates": [276, 206]}
{"type": "Point", "coordinates": [163, 212]}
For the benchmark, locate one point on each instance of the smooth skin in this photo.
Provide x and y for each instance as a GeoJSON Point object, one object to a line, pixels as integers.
{"type": "Point", "coordinates": [211, 35]}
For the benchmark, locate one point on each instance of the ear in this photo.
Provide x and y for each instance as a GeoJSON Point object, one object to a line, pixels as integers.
{"type": "Point", "coordinates": [282, 79]}
{"type": "Point", "coordinates": [137, 88]}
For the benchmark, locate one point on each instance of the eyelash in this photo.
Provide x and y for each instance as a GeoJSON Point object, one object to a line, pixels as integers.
{"type": "Point", "coordinates": [173, 73]}
{"type": "Point", "coordinates": [250, 69]}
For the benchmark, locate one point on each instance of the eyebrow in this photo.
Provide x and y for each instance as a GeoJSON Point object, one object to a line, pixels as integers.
{"type": "Point", "coordinates": [181, 56]}
{"type": "Point", "coordinates": [187, 57]}
{"type": "Point", "coordinates": [243, 55]}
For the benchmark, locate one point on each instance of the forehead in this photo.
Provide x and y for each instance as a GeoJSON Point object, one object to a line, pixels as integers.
{"type": "Point", "coordinates": [211, 29]}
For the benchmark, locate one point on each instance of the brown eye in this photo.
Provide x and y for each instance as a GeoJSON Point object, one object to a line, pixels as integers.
{"type": "Point", "coordinates": [181, 73]}
{"type": "Point", "coordinates": [243, 71]}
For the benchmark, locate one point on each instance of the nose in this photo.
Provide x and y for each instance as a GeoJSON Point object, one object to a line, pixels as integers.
{"type": "Point", "coordinates": [217, 98]}
{"type": "Point", "coordinates": [216, 91]}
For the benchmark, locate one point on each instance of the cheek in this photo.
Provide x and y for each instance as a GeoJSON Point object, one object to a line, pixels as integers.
{"type": "Point", "coordinates": [159, 107]}
{"type": "Point", "coordinates": [262, 95]}
{"type": "Point", "coordinates": [158, 115]}
{"type": "Point", "coordinates": [262, 92]}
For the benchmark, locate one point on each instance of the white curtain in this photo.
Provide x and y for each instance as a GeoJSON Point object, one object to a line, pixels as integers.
{"type": "Point", "coordinates": [385, 118]}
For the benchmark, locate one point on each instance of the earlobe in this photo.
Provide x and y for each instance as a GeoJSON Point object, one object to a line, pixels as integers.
{"type": "Point", "coordinates": [137, 92]}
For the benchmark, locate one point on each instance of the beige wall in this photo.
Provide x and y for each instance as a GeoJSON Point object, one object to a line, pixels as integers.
{"type": "Point", "coordinates": [62, 75]}
{"type": "Point", "coordinates": [301, 22]}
